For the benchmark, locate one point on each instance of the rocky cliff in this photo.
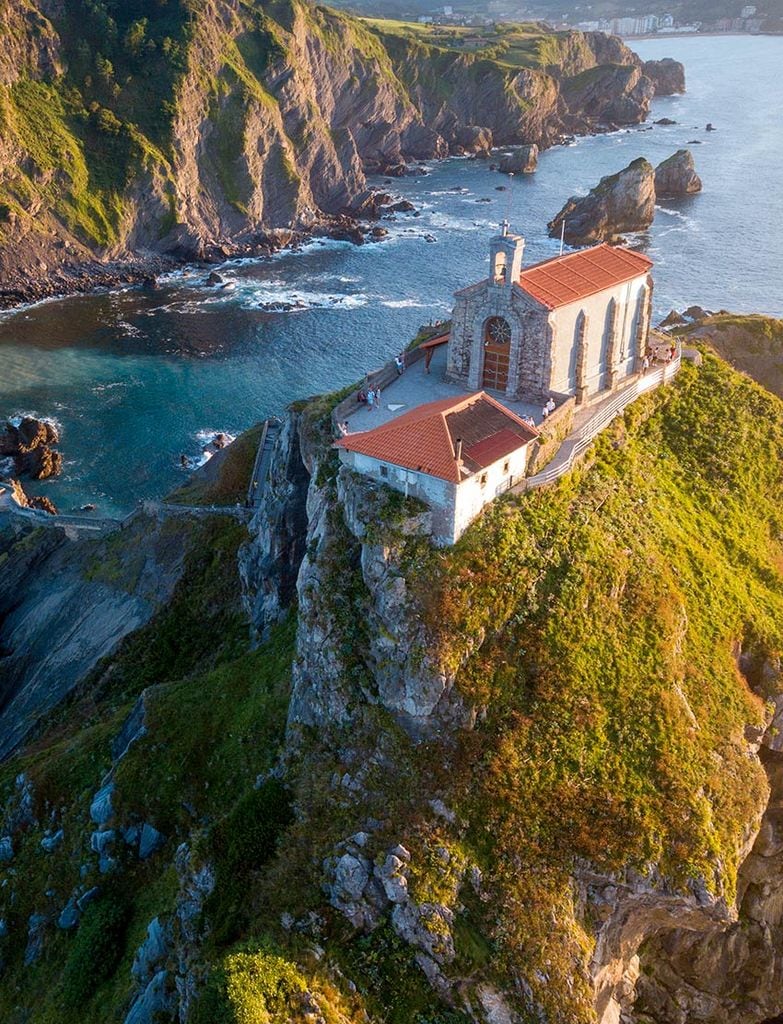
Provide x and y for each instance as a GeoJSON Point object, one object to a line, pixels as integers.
{"type": "Point", "coordinates": [619, 202]}
{"type": "Point", "coordinates": [129, 136]}
{"type": "Point", "coordinates": [534, 776]}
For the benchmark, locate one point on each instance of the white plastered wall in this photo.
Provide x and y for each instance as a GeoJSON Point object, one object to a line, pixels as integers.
{"type": "Point", "coordinates": [630, 301]}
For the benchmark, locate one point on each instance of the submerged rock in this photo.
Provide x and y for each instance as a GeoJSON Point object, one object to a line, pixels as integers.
{"type": "Point", "coordinates": [677, 176]}
{"type": "Point", "coordinates": [620, 202]}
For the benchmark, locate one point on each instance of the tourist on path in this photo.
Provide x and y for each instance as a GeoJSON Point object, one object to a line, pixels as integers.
{"type": "Point", "coordinates": [399, 362]}
{"type": "Point", "coordinates": [378, 399]}
{"type": "Point", "coordinates": [370, 399]}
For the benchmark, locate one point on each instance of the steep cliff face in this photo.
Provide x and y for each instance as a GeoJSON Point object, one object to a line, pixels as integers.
{"type": "Point", "coordinates": [592, 912]}
{"type": "Point", "coordinates": [67, 604]}
{"type": "Point", "coordinates": [534, 776]}
{"type": "Point", "coordinates": [185, 131]}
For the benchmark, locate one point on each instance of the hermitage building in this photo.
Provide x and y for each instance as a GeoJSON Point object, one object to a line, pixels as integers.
{"type": "Point", "coordinates": [576, 325]}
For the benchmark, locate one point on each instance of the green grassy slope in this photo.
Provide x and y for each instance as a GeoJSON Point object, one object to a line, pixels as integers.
{"type": "Point", "coordinates": [598, 624]}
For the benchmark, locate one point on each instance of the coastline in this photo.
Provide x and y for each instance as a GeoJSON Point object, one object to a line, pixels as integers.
{"type": "Point", "coordinates": [628, 40]}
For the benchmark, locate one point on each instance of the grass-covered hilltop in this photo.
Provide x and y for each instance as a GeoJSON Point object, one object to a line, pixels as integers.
{"type": "Point", "coordinates": [533, 777]}
{"type": "Point", "coordinates": [135, 128]}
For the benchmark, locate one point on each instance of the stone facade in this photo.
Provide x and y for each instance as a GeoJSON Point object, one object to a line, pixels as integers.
{"type": "Point", "coordinates": [581, 349]}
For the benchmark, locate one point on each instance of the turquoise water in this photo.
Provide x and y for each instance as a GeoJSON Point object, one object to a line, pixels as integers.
{"type": "Point", "coordinates": [136, 378]}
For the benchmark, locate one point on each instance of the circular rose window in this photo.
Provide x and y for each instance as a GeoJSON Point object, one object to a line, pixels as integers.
{"type": "Point", "coordinates": [497, 331]}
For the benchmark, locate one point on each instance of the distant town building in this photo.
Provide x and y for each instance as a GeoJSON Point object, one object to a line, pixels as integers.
{"type": "Point", "coordinates": [748, 11]}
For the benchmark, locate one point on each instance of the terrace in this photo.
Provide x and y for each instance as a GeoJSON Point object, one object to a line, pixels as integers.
{"type": "Point", "coordinates": [415, 386]}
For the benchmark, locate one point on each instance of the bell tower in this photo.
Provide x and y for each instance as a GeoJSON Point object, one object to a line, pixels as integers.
{"type": "Point", "coordinates": [505, 258]}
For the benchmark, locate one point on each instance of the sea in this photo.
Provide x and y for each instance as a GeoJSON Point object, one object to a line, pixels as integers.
{"type": "Point", "coordinates": [135, 379]}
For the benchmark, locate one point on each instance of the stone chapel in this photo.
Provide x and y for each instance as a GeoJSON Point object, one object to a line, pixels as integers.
{"type": "Point", "coordinates": [575, 325]}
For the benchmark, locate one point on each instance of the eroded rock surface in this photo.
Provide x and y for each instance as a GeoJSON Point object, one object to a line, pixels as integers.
{"type": "Point", "coordinates": [677, 176]}
{"type": "Point", "coordinates": [619, 203]}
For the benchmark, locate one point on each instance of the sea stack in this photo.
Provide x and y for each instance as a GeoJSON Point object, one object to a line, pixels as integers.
{"type": "Point", "coordinates": [667, 75]}
{"type": "Point", "coordinates": [523, 160]}
{"type": "Point", "coordinates": [29, 443]}
{"type": "Point", "coordinates": [620, 202]}
{"type": "Point", "coordinates": [677, 176]}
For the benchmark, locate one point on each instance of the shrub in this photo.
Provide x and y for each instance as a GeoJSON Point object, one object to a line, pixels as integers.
{"type": "Point", "coordinates": [243, 842]}
{"type": "Point", "coordinates": [252, 987]}
{"type": "Point", "coordinates": [97, 948]}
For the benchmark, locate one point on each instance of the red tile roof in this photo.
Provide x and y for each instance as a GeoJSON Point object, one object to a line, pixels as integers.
{"type": "Point", "coordinates": [441, 339]}
{"type": "Point", "coordinates": [425, 438]}
{"type": "Point", "coordinates": [565, 279]}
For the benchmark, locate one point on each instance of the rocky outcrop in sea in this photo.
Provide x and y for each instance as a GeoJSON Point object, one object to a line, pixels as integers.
{"type": "Point", "coordinates": [620, 202]}
{"type": "Point", "coordinates": [667, 75]}
{"type": "Point", "coordinates": [677, 176]}
{"type": "Point", "coordinates": [29, 444]}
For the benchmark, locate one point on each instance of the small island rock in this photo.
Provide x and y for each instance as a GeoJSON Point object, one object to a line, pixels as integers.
{"type": "Point", "coordinates": [523, 160]}
{"type": "Point", "coordinates": [620, 202]}
{"type": "Point", "coordinates": [29, 443]}
{"type": "Point", "coordinates": [667, 75]}
{"type": "Point", "coordinates": [677, 176]}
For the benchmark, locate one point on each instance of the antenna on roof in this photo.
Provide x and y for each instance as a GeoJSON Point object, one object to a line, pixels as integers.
{"type": "Point", "coordinates": [562, 236]}
{"type": "Point", "coordinates": [510, 197]}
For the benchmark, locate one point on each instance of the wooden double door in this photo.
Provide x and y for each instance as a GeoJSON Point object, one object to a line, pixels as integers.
{"type": "Point", "coordinates": [497, 352]}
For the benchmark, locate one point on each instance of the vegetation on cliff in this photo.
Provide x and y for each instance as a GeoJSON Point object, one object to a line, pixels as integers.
{"type": "Point", "coordinates": [751, 342]}
{"type": "Point", "coordinates": [185, 128]}
{"type": "Point", "coordinates": [614, 634]}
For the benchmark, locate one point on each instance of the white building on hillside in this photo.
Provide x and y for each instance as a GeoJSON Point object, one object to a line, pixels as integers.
{"type": "Point", "coordinates": [456, 454]}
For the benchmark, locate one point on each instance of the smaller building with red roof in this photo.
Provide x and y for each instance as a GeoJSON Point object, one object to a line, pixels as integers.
{"type": "Point", "coordinates": [576, 325]}
{"type": "Point", "coordinates": [456, 454]}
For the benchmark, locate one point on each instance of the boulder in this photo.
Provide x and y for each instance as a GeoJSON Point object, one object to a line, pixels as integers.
{"type": "Point", "coordinates": [523, 160]}
{"type": "Point", "coordinates": [103, 843]}
{"type": "Point", "coordinates": [6, 849]}
{"type": "Point", "coordinates": [101, 809]}
{"type": "Point", "coordinates": [350, 878]}
{"type": "Point", "coordinates": [152, 952]}
{"type": "Point", "coordinates": [672, 319]}
{"type": "Point", "coordinates": [472, 138]}
{"type": "Point", "coordinates": [667, 76]}
{"type": "Point", "coordinates": [155, 1003]}
{"type": "Point", "coordinates": [29, 443]}
{"type": "Point", "coordinates": [69, 916]}
{"type": "Point", "coordinates": [36, 924]}
{"type": "Point", "coordinates": [133, 729]}
{"type": "Point", "coordinates": [620, 202]}
{"type": "Point", "coordinates": [50, 843]}
{"type": "Point", "coordinates": [214, 279]}
{"type": "Point", "coordinates": [401, 206]}
{"type": "Point", "coordinates": [696, 313]}
{"type": "Point", "coordinates": [150, 841]}
{"type": "Point", "coordinates": [677, 176]}
{"type": "Point", "coordinates": [88, 897]}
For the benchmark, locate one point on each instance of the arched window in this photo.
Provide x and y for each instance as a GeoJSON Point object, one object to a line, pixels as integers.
{"type": "Point", "coordinates": [497, 345]}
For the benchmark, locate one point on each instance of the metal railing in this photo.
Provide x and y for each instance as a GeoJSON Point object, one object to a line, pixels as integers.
{"type": "Point", "coordinates": [574, 447]}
